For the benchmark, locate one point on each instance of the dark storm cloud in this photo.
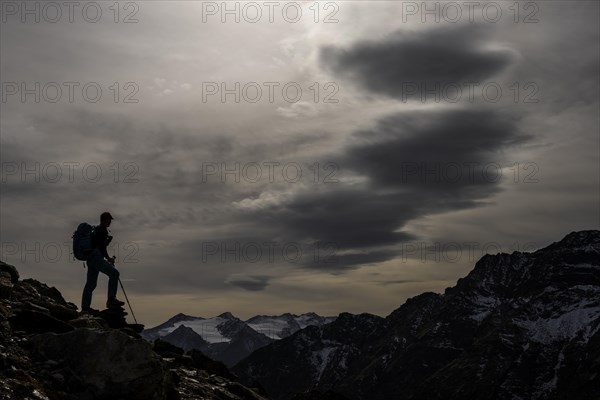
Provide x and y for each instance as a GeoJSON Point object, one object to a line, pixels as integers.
{"type": "Point", "coordinates": [454, 154]}
{"type": "Point", "coordinates": [328, 258]}
{"type": "Point", "coordinates": [415, 164]}
{"type": "Point", "coordinates": [346, 218]}
{"type": "Point", "coordinates": [441, 56]}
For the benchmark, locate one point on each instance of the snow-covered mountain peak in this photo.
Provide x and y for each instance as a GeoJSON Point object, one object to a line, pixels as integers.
{"type": "Point", "coordinates": [281, 326]}
{"type": "Point", "coordinates": [226, 337]}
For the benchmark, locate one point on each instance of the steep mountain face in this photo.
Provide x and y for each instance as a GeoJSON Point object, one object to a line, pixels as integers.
{"type": "Point", "coordinates": [518, 326]}
{"type": "Point", "coordinates": [49, 351]}
{"type": "Point", "coordinates": [186, 338]}
{"type": "Point", "coordinates": [227, 338]}
{"type": "Point", "coordinates": [312, 355]}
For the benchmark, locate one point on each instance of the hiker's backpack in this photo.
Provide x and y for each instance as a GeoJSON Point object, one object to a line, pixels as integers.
{"type": "Point", "coordinates": [82, 241]}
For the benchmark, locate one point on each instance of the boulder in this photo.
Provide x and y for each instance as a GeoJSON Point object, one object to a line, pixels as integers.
{"type": "Point", "coordinates": [6, 285]}
{"type": "Point", "coordinates": [88, 322]}
{"type": "Point", "coordinates": [115, 318]}
{"type": "Point", "coordinates": [12, 271]}
{"type": "Point", "coordinates": [110, 364]}
{"type": "Point", "coordinates": [43, 290]}
{"type": "Point", "coordinates": [166, 349]}
{"type": "Point", "coordinates": [34, 321]}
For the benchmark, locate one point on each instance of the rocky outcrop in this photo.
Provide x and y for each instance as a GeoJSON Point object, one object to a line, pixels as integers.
{"type": "Point", "coordinates": [8, 277]}
{"type": "Point", "coordinates": [106, 364]}
{"type": "Point", "coordinates": [48, 350]}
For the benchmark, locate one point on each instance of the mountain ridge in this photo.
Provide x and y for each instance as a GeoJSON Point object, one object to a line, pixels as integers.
{"type": "Point", "coordinates": [519, 325]}
{"type": "Point", "coordinates": [227, 338]}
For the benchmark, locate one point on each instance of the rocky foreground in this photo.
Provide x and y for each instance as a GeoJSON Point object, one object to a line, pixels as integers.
{"type": "Point", "coordinates": [48, 350]}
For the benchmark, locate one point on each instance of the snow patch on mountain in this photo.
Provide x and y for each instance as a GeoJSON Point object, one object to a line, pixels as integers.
{"type": "Point", "coordinates": [281, 326]}
{"type": "Point", "coordinates": [273, 328]}
{"type": "Point", "coordinates": [320, 360]}
{"type": "Point", "coordinates": [483, 306]}
{"type": "Point", "coordinates": [563, 327]}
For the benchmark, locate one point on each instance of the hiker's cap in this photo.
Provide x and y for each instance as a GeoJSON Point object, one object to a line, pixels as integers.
{"type": "Point", "coordinates": [106, 215]}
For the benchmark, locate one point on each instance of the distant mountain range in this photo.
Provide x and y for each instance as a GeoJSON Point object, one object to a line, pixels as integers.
{"type": "Point", "coordinates": [227, 338]}
{"type": "Point", "coordinates": [518, 326]}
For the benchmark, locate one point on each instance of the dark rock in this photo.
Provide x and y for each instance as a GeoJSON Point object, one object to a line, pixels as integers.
{"type": "Point", "coordinates": [37, 295]}
{"type": "Point", "coordinates": [166, 349]}
{"type": "Point", "coordinates": [88, 322]}
{"type": "Point", "coordinates": [44, 290]}
{"type": "Point", "coordinates": [11, 270]}
{"type": "Point", "coordinates": [198, 384]}
{"type": "Point", "coordinates": [115, 317]}
{"type": "Point", "coordinates": [34, 307]}
{"type": "Point", "coordinates": [137, 328]}
{"type": "Point", "coordinates": [239, 390]}
{"type": "Point", "coordinates": [62, 312]}
{"type": "Point", "coordinates": [206, 363]}
{"type": "Point", "coordinates": [38, 322]}
{"type": "Point", "coordinates": [6, 285]}
{"type": "Point", "coordinates": [110, 363]}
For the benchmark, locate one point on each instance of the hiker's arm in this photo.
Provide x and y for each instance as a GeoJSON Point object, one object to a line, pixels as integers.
{"type": "Point", "coordinates": [103, 248]}
{"type": "Point", "coordinates": [113, 258]}
{"type": "Point", "coordinates": [104, 253]}
{"type": "Point", "coordinates": [103, 241]}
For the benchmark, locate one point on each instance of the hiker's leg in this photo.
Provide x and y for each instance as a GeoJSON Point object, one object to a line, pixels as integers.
{"type": "Point", "coordinates": [113, 276]}
{"type": "Point", "coordinates": [113, 282]}
{"type": "Point", "coordinates": [90, 285]}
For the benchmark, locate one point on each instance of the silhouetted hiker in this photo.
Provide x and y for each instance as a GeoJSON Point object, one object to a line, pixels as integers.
{"type": "Point", "coordinates": [99, 261]}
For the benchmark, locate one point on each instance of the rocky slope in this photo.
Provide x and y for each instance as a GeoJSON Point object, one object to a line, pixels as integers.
{"type": "Point", "coordinates": [519, 326]}
{"type": "Point", "coordinates": [49, 351]}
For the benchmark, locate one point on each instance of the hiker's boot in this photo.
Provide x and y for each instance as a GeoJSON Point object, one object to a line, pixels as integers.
{"type": "Point", "coordinates": [112, 302]}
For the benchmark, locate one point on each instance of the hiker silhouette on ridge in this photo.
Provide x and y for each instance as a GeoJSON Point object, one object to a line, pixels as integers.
{"type": "Point", "coordinates": [99, 261]}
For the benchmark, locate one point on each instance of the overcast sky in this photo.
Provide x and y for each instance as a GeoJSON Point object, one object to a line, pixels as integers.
{"type": "Point", "coordinates": [326, 157]}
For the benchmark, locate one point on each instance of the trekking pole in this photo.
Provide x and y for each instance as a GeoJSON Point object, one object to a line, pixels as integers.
{"type": "Point", "coordinates": [130, 309]}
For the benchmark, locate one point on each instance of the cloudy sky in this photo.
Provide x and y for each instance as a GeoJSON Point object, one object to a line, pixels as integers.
{"type": "Point", "coordinates": [294, 156]}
